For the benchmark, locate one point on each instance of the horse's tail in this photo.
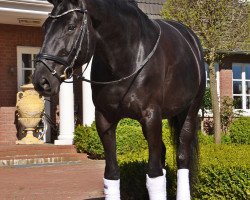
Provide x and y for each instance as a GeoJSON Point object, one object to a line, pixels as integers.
{"type": "Point", "coordinates": [175, 127]}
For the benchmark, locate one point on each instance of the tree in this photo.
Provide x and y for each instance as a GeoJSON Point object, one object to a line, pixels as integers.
{"type": "Point", "coordinates": [221, 25]}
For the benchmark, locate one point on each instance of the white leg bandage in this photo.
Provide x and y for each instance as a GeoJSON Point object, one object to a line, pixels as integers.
{"type": "Point", "coordinates": [183, 189]}
{"type": "Point", "coordinates": [111, 189]}
{"type": "Point", "coordinates": [157, 187]}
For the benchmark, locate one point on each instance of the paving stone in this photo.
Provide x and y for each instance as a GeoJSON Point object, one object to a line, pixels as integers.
{"type": "Point", "coordinates": [76, 181]}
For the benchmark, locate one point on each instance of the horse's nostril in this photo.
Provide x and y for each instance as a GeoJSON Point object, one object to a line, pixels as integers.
{"type": "Point", "coordinates": [45, 84]}
{"type": "Point", "coordinates": [43, 81]}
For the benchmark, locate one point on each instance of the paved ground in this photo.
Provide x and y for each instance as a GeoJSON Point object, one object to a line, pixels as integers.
{"type": "Point", "coordinates": [77, 181]}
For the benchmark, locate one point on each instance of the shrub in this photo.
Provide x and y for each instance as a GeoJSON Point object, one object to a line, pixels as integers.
{"type": "Point", "coordinates": [129, 138]}
{"type": "Point", "coordinates": [240, 131]}
{"type": "Point", "coordinates": [226, 112]}
{"type": "Point", "coordinates": [224, 174]}
{"type": "Point", "coordinates": [208, 126]}
{"type": "Point", "coordinates": [87, 140]}
{"type": "Point", "coordinates": [218, 182]}
{"type": "Point", "coordinates": [224, 169]}
{"type": "Point", "coordinates": [205, 139]}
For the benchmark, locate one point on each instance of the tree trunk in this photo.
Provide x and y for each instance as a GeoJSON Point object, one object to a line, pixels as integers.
{"type": "Point", "coordinates": [214, 98]}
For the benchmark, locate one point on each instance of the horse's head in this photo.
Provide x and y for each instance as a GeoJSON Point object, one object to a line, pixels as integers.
{"type": "Point", "coordinates": [67, 44]}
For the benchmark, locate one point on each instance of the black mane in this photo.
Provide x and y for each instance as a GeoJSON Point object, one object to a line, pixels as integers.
{"type": "Point", "coordinates": [128, 6]}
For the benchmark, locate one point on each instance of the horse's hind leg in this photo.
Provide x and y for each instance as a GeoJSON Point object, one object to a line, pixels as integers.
{"type": "Point", "coordinates": [163, 155]}
{"type": "Point", "coordinates": [156, 177]}
{"type": "Point", "coordinates": [186, 144]}
{"type": "Point", "coordinates": [107, 135]}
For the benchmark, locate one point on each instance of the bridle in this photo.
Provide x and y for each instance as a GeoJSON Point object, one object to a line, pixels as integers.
{"type": "Point", "coordinates": [68, 72]}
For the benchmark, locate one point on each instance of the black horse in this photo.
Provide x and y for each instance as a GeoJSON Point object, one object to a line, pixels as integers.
{"type": "Point", "coordinates": [142, 69]}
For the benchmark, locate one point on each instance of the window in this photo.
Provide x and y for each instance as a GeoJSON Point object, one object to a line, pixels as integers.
{"type": "Point", "coordinates": [25, 64]}
{"type": "Point", "coordinates": [241, 85]}
{"type": "Point", "coordinates": [217, 77]}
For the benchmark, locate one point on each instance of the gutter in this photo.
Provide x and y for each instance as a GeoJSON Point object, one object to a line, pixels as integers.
{"type": "Point", "coordinates": [24, 12]}
{"type": "Point", "coordinates": [26, 6]}
{"type": "Point", "coordinates": [26, 2]}
{"type": "Point", "coordinates": [13, 10]}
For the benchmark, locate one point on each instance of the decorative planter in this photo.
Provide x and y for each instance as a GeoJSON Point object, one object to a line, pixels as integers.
{"type": "Point", "coordinates": [30, 107]}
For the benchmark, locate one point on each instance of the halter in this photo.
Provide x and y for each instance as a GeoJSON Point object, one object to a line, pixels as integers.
{"type": "Point", "coordinates": [68, 72]}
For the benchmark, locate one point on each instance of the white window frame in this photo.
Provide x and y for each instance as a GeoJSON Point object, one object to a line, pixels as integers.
{"type": "Point", "coordinates": [24, 50]}
{"type": "Point", "coordinates": [246, 112]}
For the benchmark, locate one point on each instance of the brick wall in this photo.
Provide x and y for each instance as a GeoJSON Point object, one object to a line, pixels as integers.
{"type": "Point", "coordinates": [226, 81]}
{"type": "Point", "coordinates": [8, 131]}
{"type": "Point", "coordinates": [12, 36]}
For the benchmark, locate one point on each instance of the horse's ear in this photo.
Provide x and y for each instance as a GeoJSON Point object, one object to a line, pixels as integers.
{"type": "Point", "coordinates": [55, 2]}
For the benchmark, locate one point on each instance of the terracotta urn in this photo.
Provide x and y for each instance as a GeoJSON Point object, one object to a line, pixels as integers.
{"type": "Point", "coordinates": [30, 107]}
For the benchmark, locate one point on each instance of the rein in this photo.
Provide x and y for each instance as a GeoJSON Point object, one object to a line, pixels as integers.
{"type": "Point", "coordinates": [143, 63]}
{"type": "Point", "coordinates": [69, 67]}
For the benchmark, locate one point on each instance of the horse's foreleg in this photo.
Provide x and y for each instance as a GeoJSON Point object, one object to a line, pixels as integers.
{"type": "Point", "coordinates": [156, 177]}
{"type": "Point", "coordinates": [107, 135]}
{"type": "Point", "coordinates": [186, 136]}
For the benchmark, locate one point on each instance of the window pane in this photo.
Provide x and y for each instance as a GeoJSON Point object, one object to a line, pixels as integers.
{"type": "Point", "coordinates": [26, 58]}
{"type": "Point", "coordinates": [27, 76]}
{"type": "Point", "coordinates": [247, 72]}
{"type": "Point", "coordinates": [237, 87]}
{"type": "Point", "coordinates": [247, 87]}
{"type": "Point", "coordinates": [237, 102]}
{"type": "Point", "coordinates": [237, 71]}
{"type": "Point", "coordinates": [248, 103]}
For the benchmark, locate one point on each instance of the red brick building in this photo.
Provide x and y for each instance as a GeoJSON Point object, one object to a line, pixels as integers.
{"type": "Point", "coordinates": [21, 38]}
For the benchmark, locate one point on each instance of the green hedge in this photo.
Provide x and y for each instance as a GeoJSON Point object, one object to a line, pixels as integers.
{"type": "Point", "coordinates": [224, 173]}
{"type": "Point", "coordinates": [224, 169]}
{"type": "Point", "coordinates": [130, 139]}
{"type": "Point", "coordinates": [239, 131]}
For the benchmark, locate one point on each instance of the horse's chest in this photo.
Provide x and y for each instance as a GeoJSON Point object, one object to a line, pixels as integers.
{"type": "Point", "coordinates": [117, 102]}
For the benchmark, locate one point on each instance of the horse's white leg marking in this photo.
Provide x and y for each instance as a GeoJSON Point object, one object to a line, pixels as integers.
{"type": "Point", "coordinates": [111, 189]}
{"type": "Point", "coordinates": [157, 187]}
{"type": "Point", "coordinates": [183, 190]}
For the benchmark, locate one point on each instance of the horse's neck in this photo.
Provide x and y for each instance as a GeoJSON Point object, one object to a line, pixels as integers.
{"type": "Point", "coordinates": [124, 40]}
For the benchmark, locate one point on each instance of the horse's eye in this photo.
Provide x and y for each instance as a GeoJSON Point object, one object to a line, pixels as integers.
{"type": "Point", "coordinates": [71, 27]}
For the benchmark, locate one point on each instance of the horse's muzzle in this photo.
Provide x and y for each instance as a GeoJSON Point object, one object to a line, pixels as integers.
{"type": "Point", "coordinates": [45, 83]}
